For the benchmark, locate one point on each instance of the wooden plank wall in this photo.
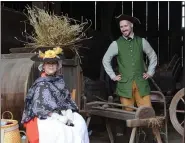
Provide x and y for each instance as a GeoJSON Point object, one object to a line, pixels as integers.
{"type": "Point", "coordinates": [161, 22]}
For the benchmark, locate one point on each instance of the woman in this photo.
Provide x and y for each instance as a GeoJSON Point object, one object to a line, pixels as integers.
{"type": "Point", "coordinates": [50, 115]}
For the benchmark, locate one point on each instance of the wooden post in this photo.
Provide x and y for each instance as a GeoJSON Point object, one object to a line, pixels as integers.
{"type": "Point", "coordinates": [133, 134]}
{"type": "Point", "coordinates": [184, 77]}
{"type": "Point", "coordinates": [95, 4]}
{"type": "Point", "coordinates": [56, 7]}
{"type": "Point", "coordinates": [39, 4]}
{"type": "Point", "coordinates": [107, 14]}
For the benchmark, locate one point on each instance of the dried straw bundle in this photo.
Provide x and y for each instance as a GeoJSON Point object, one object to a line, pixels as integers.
{"type": "Point", "coordinates": [156, 122]}
{"type": "Point", "coordinates": [51, 30]}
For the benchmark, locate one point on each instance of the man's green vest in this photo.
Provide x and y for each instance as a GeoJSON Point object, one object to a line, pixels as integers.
{"type": "Point", "coordinates": [131, 67]}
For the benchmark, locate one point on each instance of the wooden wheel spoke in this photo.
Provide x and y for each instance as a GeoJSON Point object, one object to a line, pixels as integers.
{"type": "Point", "coordinates": [182, 100]}
{"type": "Point", "coordinates": [180, 111]}
{"type": "Point", "coordinates": [182, 123]}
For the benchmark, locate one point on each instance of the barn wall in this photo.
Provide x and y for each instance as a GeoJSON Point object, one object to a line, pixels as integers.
{"type": "Point", "coordinates": [161, 25]}
{"type": "Point", "coordinates": [11, 27]}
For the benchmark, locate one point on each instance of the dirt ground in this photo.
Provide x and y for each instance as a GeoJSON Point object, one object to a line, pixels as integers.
{"type": "Point", "coordinates": [99, 135]}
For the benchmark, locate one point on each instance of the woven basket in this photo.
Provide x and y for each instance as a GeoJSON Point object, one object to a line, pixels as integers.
{"type": "Point", "coordinates": [10, 133]}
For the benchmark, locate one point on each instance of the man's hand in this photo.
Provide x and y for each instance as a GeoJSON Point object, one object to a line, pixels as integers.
{"type": "Point", "coordinates": [117, 78]}
{"type": "Point", "coordinates": [146, 76]}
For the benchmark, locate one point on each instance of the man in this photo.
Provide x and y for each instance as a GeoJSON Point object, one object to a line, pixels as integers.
{"type": "Point", "coordinates": [132, 83]}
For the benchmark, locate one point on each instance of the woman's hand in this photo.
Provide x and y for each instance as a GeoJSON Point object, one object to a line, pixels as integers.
{"type": "Point", "coordinates": [60, 118]}
{"type": "Point", "coordinates": [49, 114]}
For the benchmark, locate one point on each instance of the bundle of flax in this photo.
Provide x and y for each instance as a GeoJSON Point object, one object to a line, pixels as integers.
{"type": "Point", "coordinates": [155, 122]}
{"type": "Point", "coordinates": [51, 30]}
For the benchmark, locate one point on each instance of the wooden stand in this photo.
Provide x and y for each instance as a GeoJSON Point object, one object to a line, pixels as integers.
{"type": "Point", "coordinates": [137, 118]}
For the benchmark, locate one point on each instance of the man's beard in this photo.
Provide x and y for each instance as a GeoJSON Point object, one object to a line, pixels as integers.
{"type": "Point", "coordinates": [126, 33]}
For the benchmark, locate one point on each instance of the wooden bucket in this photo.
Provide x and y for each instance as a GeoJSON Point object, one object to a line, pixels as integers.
{"type": "Point", "coordinates": [18, 74]}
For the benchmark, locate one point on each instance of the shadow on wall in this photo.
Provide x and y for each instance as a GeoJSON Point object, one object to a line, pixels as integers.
{"type": "Point", "coordinates": [92, 57]}
{"type": "Point", "coordinates": [12, 26]}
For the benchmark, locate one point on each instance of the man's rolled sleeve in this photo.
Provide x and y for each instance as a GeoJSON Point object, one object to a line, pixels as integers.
{"type": "Point", "coordinates": [151, 56]}
{"type": "Point", "coordinates": [110, 53]}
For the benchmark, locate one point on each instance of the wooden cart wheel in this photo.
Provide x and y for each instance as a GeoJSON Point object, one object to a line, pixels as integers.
{"type": "Point", "coordinates": [177, 111]}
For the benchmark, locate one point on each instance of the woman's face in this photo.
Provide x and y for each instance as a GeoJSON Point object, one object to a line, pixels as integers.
{"type": "Point", "coordinates": [50, 67]}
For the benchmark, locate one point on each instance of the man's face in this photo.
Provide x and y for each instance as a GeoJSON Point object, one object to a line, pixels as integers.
{"type": "Point", "coordinates": [126, 27]}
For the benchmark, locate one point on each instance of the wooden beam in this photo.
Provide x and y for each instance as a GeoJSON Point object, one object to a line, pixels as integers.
{"type": "Point", "coordinates": [138, 122]}
{"type": "Point", "coordinates": [111, 114]}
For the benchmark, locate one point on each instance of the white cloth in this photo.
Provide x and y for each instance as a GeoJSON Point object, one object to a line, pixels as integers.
{"type": "Point", "coordinates": [54, 130]}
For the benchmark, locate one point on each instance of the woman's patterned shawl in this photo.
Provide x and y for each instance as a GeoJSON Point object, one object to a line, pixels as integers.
{"type": "Point", "coordinates": [47, 94]}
